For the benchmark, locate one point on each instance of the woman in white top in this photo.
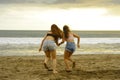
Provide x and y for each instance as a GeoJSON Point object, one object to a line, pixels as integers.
{"type": "Point", "coordinates": [70, 46]}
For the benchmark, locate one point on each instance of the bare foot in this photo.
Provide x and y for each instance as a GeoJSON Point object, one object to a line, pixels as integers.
{"type": "Point", "coordinates": [55, 72]}
{"type": "Point", "coordinates": [45, 65]}
{"type": "Point", "coordinates": [67, 70]}
{"type": "Point", "coordinates": [50, 69]}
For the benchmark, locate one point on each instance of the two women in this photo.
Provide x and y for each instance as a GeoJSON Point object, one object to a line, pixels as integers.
{"type": "Point", "coordinates": [49, 46]}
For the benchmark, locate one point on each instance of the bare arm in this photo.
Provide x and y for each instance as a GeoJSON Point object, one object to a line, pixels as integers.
{"type": "Point", "coordinates": [78, 39]}
{"type": "Point", "coordinates": [42, 43]}
{"type": "Point", "coordinates": [63, 40]}
{"type": "Point", "coordinates": [56, 41]}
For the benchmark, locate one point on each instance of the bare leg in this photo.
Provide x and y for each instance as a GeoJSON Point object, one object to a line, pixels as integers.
{"type": "Point", "coordinates": [70, 54]}
{"type": "Point", "coordinates": [66, 59]}
{"type": "Point", "coordinates": [47, 58]}
{"type": "Point", "coordinates": [54, 60]}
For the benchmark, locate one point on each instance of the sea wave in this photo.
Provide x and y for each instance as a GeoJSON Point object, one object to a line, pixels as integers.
{"type": "Point", "coordinates": [30, 46]}
{"type": "Point", "coordinates": [9, 40]}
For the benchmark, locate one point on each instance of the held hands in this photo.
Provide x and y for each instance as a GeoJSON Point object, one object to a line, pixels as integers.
{"type": "Point", "coordinates": [60, 43]}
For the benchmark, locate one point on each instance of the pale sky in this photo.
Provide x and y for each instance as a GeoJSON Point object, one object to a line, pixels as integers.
{"type": "Point", "coordinates": [40, 17]}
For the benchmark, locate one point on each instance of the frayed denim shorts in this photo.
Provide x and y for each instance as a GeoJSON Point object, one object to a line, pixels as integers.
{"type": "Point", "coordinates": [49, 45]}
{"type": "Point", "coordinates": [70, 46]}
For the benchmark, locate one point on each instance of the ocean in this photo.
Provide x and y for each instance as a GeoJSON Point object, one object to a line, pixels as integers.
{"type": "Point", "coordinates": [9, 40]}
{"type": "Point", "coordinates": [41, 33]}
{"type": "Point", "coordinates": [26, 43]}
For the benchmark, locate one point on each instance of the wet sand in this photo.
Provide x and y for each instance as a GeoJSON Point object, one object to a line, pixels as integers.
{"type": "Point", "coordinates": [88, 67]}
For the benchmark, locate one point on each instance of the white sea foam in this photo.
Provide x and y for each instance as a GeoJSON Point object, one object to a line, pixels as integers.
{"type": "Point", "coordinates": [29, 46]}
{"type": "Point", "coordinates": [8, 40]}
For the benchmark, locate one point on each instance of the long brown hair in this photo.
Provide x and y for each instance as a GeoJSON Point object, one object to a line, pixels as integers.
{"type": "Point", "coordinates": [66, 30]}
{"type": "Point", "coordinates": [56, 31]}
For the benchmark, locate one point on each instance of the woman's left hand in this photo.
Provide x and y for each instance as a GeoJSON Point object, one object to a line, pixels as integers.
{"type": "Point", "coordinates": [78, 45]}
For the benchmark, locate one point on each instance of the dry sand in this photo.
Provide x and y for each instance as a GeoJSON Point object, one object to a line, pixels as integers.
{"type": "Point", "coordinates": [88, 67]}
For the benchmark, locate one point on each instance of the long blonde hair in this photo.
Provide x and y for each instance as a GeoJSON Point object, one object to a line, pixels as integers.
{"type": "Point", "coordinates": [66, 31]}
{"type": "Point", "coordinates": [56, 31]}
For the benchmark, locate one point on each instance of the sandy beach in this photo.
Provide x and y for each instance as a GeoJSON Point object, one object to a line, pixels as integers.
{"type": "Point", "coordinates": [24, 23]}
{"type": "Point", "coordinates": [93, 62]}
{"type": "Point", "coordinates": [88, 67]}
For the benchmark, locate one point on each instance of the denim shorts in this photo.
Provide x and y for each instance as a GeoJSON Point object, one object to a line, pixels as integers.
{"type": "Point", "coordinates": [49, 45]}
{"type": "Point", "coordinates": [70, 46]}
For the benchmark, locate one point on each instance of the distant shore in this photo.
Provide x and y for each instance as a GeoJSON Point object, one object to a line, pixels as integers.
{"type": "Point", "coordinates": [88, 67]}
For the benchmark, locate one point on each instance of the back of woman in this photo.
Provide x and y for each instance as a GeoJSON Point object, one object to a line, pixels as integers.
{"type": "Point", "coordinates": [49, 46]}
{"type": "Point", "coordinates": [70, 37]}
{"type": "Point", "coordinates": [70, 46]}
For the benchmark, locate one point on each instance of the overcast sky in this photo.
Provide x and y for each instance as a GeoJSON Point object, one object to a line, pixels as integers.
{"type": "Point", "coordinates": [78, 14]}
{"type": "Point", "coordinates": [62, 1]}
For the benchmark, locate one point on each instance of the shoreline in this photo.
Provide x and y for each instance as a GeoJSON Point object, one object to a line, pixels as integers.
{"type": "Point", "coordinates": [32, 49]}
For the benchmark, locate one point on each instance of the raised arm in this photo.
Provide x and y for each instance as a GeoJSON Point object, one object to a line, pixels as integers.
{"type": "Point", "coordinates": [78, 39]}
